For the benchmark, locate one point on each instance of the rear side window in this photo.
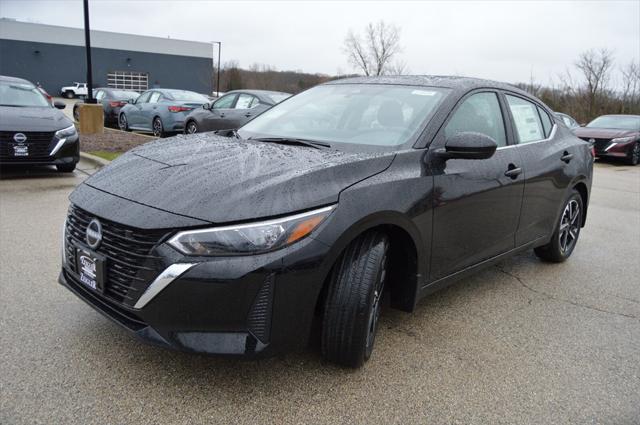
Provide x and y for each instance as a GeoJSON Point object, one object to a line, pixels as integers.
{"type": "Point", "coordinates": [526, 119]}
{"type": "Point", "coordinates": [244, 101]}
{"type": "Point", "coordinates": [154, 97]}
{"type": "Point", "coordinates": [479, 113]}
{"type": "Point", "coordinates": [546, 122]}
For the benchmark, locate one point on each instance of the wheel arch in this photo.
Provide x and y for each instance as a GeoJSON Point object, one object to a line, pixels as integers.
{"type": "Point", "coordinates": [581, 188]}
{"type": "Point", "coordinates": [405, 254]}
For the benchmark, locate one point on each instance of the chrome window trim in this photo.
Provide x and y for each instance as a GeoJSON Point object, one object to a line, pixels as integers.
{"type": "Point", "coordinates": [551, 136]}
{"type": "Point", "coordinates": [169, 274]}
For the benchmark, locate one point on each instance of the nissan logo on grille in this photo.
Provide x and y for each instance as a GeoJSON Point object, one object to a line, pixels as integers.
{"type": "Point", "coordinates": [94, 233]}
{"type": "Point", "coordinates": [20, 137]}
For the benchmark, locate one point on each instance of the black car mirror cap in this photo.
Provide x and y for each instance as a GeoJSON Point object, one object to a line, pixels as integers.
{"type": "Point", "coordinates": [468, 145]}
{"type": "Point", "coordinates": [59, 105]}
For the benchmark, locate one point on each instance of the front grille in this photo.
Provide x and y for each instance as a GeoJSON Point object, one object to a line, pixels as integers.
{"type": "Point", "coordinates": [130, 264]}
{"type": "Point", "coordinates": [599, 144]}
{"type": "Point", "coordinates": [39, 143]}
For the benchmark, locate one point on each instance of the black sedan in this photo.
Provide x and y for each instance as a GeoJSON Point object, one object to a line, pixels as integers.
{"type": "Point", "coordinates": [232, 110]}
{"type": "Point", "coordinates": [32, 130]}
{"type": "Point", "coordinates": [347, 194]}
{"type": "Point", "coordinates": [112, 100]}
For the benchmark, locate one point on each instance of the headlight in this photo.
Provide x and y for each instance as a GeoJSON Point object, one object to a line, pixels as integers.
{"type": "Point", "coordinates": [250, 238]}
{"type": "Point", "coordinates": [66, 132]}
{"type": "Point", "coordinates": [623, 139]}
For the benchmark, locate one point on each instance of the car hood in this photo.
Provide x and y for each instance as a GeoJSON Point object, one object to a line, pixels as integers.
{"type": "Point", "coordinates": [32, 119]}
{"type": "Point", "coordinates": [603, 133]}
{"type": "Point", "coordinates": [216, 179]}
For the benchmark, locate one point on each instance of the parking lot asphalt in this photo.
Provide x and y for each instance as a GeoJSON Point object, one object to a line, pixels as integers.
{"type": "Point", "coordinates": [522, 342]}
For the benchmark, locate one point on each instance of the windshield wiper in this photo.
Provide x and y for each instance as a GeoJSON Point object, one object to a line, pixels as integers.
{"type": "Point", "coordinates": [292, 141]}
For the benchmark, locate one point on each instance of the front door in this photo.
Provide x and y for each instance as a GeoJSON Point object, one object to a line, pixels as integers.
{"type": "Point", "coordinates": [477, 205]}
{"type": "Point", "coordinates": [217, 119]}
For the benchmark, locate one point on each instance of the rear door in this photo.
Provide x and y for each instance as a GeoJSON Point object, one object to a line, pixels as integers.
{"type": "Point", "coordinates": [548, 165]}
{"type": "Point", "coordinates": [242, 111]}
{"type": "Point", "coordinates": [477, 205]}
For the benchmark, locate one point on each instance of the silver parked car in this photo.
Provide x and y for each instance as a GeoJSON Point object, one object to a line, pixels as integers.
{"type": "Point", "coordinates": [160, 111]}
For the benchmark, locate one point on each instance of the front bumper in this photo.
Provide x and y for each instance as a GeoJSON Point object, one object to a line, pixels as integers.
{"type": "Point", "coordinates": [249, 306]}
{"type": "Point", "coordinates": [44, 153]}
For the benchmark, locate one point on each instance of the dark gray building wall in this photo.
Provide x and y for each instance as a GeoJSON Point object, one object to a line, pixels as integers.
{"type": "Point", "coordinates": [57, 65]}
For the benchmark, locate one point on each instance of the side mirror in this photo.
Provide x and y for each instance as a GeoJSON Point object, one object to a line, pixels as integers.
{"type": "Point", "coordinates": [206, 106]}
{"type": "Point", "coordinates": [59, 105]}
{"type": "Point", "coordinates": [468, 145]}
{"type": "Point", "coordinates": [131, 101]}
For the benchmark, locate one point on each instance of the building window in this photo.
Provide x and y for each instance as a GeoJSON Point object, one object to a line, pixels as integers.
{"type": "Point", "coordinates": [128, 80]}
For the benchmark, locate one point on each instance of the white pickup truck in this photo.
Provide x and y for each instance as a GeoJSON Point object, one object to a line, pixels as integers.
{"type": "Point", "coordinates": [76, 90]}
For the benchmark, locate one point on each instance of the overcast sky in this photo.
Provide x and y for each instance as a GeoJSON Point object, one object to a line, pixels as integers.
{"type": "Point", "coordinates": [500, 40]}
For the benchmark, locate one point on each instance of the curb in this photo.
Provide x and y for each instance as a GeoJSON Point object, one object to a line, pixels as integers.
{"type": "Point", "coordinates": [95, 160]}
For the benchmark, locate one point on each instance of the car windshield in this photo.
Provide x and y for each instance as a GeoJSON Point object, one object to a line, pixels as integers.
{"type": "Point", "coordinates": [622, 122]}
{"type": "Point", "coordinates": [124, 94]}
{"type": "Point", "coordinates": [278, 97]}
{"type": "Point", "coordinates": [376, 115]}
{"type": "Point", "coordinates": [21, 94]}
{"type": "Point", "coordinates": [188, 96]}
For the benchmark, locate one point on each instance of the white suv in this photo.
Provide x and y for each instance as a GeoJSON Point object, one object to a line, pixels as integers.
{"type": "Point", "coordinates": [76, 90]}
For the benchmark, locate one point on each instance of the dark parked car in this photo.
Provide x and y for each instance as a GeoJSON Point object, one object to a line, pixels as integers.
{"type": "Point", "coordinates": [348, 193]}
{"type": "Point", "coordinates": [160, 111]}
{"type": "Point", "coordinates": [232, 110]}
{"type": "Point", "coordinates": [568, 120]}
{"type": "Point", "coordinates": [112, 100]}
{"type": "Point", "coordinates": [614, 136]}
{"type": "Point", "coordinates": [32, 131]}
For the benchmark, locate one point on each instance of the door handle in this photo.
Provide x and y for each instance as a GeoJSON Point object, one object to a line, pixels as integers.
{"type": "Point", "coordinates": [513, 171]}
{"type": "Point", "coordinates": [248, 114]}
{"type": "Point", "coordinates": [566, 157]}
{"type": "Point", "coordinates": [221, 115]}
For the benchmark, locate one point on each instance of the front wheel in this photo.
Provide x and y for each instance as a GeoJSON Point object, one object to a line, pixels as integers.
{"type": "Point", "coordinates": [565, 237]}
{"type": "Point", "coordinates": [192, 127]}
{"type": "Point", "coordinates": [123, 124]}
{"type": "Point", "coordinates": [634, 154]}
{"type": "Point", "coordinates": [76, 114]}
{"type": "Point", "coordinates": [66, 168]}
{"type": "Point", "coordinates": [354, 300]}
{"type": "Point", "coordinates": [158, 128]}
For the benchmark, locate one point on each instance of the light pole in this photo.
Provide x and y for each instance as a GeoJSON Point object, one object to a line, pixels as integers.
{"type": "Point", "coordinates": [87, 46]}
{"type": "Point", "coordinates": [219, 43]}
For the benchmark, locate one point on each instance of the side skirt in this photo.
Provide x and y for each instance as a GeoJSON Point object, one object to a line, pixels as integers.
{"type": "Point", "coordinates": [441, 283]}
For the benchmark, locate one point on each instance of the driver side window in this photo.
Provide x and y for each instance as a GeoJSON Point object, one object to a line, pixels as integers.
{"type": "Point", "coordinates": [225, 102]}
{"type": "Point", "coordinates": [479, 113]}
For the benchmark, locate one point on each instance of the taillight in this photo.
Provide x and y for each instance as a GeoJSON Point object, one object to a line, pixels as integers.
{"type": "Point", "coordinates": [117, 104]}
{"type": "Point", "coordinates": [179, 108]}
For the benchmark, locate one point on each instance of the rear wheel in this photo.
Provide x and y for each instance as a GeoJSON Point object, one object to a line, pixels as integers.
{"type": "Point", "coordinates": [158, 128]}
{"type": "Point", "coordinates": [123, 124]}
{"type": "Point", "coordinates": [354, 300]}
{"type": "Point", "coordinates": [565, 237]}
{"type": "Point", "coordinates": [69, 94]}
{"type": "Point", "coordinates": [66, 168]}
{"type": "Point", "coordinates": [192, 127]}
{"type": "Point", "coordinates": [633, 157]}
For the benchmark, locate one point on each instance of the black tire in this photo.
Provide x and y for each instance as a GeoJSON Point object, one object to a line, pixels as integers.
{"type": "Point", "coordinates": [634, 154]}
{"type": "Point", "coordinates": [66, 168]}
{"type": "Point", "coordinates": [565, 237]}
{"type": "Point", "coordinates": [123, 124]}
{"type": "Point", "coordinates": [191, 127]}
{"type": "Point", "coordinates": [157, 127]}
{"type": "Point", "coordinates": [76, 114]}
{"type": "Point", "coordinates": [354, 299]}
{"type": "Point", "coordinates": [69, 94]}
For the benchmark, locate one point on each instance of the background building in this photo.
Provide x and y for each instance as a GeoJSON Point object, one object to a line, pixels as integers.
{"type": "Point", "coordinates": [55, 57]}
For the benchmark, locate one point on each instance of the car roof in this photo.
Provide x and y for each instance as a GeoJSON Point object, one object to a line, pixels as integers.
{"type": "Point", "coordinates": [15, 80]}
{"type": "Point", "coordinates": [445, 81]}
{"type": "Point", "coordinates": [618, 115]}
{"type": "Point", "coordinates": [257, 92]}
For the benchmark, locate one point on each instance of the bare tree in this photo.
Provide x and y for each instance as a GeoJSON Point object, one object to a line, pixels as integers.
{"type": "Point", "coordinates": [596, 66]}
{"type": "Point", "coordinates": [630, 86]}
{"type": "Point", "coordinates": [374, 52]}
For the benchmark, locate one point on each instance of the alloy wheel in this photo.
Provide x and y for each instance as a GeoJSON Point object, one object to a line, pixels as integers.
{"type": "Point", "coordinates": [635, 154]}
{"type": "Point", "coordinates": [374, 315]}
{"type": "Point", "coordinates": [157, 127]}
{"type": "Point", "coordinates": [122, 122]}
{"type": "Point", "coordinates": [192, 128]}
{"type": "Point", "coordinates": [569, 226]}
